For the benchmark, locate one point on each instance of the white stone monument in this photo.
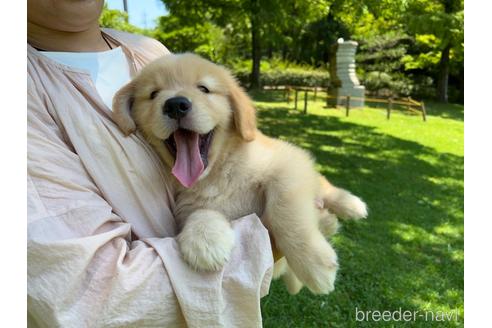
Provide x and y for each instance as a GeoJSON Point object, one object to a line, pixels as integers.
{"type": "Point", "coordinates": [344, 81]}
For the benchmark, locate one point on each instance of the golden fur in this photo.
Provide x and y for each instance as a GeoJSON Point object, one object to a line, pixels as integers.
{"type": "Point", "coordinates": [247, 172]}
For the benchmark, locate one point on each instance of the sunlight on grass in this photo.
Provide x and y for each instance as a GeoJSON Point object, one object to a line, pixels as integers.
{"type": "Point", "coordinates": [412, 233]}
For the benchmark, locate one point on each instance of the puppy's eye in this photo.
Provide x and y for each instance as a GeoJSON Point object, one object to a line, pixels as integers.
{"type": "Point", "coordinates": [203, 89]}
{"type": "Point", "coordinates": [154, 94]}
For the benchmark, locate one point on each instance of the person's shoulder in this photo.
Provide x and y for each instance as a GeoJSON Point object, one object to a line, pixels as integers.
{"type": "Point", "coordinates": [139, 43]}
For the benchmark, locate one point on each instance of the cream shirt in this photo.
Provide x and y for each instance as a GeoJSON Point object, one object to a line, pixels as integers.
{"type": "Point", "coordinates": [101, 250]}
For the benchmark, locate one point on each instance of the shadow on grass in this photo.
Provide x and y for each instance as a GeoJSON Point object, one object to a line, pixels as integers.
{"type": "Point", "coordinates": [270, 96]}
{"type": "Point", "coordinates": [408, 254]}
{"type": "Point", "coordinates": [452, 111]}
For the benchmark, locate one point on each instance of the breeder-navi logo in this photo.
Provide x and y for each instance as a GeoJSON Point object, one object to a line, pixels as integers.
{"type": "Point", "coordinates": [405, 315]}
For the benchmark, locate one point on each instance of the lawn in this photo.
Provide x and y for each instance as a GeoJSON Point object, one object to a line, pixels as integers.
{"type": "Point", "coordinates": [409, 253]}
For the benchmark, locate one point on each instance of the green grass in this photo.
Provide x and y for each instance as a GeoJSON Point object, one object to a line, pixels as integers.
{"type": "Point", "coordinates": [409, 253]}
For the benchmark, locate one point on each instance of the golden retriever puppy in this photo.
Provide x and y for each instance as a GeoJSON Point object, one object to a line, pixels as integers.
{"type": "Point", "coordinates": [203, 126]}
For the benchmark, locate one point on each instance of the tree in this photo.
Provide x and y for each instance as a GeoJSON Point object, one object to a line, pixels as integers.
{"type": "Point", "coordinates": [434, 38]}
{"type": "Point", "coordinates": [444, 20]}
{"type": "Point", "coordinates": [203, 38]}
{"type": "Point", "coordinates": [118, 20]}
{"type": "Point", "coordinates": [380, 57]}
{"type": "Point", "coordinates": [257, 16]}
{"type": "Point", "coordinates": [404, 45]}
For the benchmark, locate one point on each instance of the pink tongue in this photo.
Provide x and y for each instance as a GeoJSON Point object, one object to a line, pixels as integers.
{"type": "Point", "coordinates": [188, 165]}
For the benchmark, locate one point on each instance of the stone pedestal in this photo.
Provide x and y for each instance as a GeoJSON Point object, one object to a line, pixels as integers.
{"type": "Point", "coordinates": [344, 81]}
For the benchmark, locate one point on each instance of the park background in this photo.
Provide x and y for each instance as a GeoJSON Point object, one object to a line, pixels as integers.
{"type": "Point", "coordinates": [409, 253]}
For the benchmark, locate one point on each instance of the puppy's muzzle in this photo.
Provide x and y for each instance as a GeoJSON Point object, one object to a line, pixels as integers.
{"type": "Point", "coordinates": [177, 107]}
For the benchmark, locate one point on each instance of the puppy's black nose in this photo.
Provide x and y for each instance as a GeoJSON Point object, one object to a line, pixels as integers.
{"type": "Point", "coordinates": [177, 107]}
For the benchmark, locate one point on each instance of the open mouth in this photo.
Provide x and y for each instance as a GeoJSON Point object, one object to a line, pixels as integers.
{"type": "Point", "coordinates": [190, 150]}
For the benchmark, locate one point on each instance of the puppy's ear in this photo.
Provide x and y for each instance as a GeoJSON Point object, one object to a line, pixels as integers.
{"type": "Point", "coordinates": [122, 106]}
{"type": "Point", "coordinates": [243, 112]}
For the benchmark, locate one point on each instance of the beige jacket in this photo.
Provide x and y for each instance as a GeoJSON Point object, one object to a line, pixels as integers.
{"type": "Point", "coordinates": [101, 251]}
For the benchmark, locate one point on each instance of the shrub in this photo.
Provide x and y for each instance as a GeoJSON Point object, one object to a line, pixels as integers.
{"type": "Point", "coordinates": [277, 73]}
{"type": "Point", "coordinates": [424, 87]}
{"type": "Point", "coordinates": [395, 84]}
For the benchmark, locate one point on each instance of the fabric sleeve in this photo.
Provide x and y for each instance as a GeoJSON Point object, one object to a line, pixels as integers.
{"type": "Point", "coordinates": [84, 270]}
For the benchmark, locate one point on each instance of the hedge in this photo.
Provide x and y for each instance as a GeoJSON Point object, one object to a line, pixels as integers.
{"type": "Point", "coordinates": [294, 77]}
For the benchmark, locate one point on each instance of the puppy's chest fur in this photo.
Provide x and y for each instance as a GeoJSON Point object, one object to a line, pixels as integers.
{"type": "Point", "coordinates": [231, 191]}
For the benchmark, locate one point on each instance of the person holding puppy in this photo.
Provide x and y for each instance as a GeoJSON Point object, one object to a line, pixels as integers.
{"type": "Point", "coordinates": [101, 233]}
{"type": "Point", "coordinates": [101, 246]}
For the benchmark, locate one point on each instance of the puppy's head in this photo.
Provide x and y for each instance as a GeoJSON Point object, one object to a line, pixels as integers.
{"type": "Point", "coordinates": [187, 107]}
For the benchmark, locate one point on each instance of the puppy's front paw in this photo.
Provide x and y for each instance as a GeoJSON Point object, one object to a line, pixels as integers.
{"type": "Point", "coordinates": [206, 241]}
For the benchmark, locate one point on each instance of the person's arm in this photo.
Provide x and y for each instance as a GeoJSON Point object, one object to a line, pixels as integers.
{"type": "Point", "coordinates": [84, 269]}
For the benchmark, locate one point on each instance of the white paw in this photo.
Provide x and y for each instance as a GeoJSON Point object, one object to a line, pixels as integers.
{"type": "Point", "coordinates": [348, 206]}
{"type": "Point", "coordinates": [206, 242]}
{"type": "Point", "coordinates": [322, 277]}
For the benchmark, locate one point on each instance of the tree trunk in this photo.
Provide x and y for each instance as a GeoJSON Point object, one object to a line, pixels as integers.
{"type": "Point", "coordinates": [255, 46]}
{"type": "Point", "coordinates": [442, 81]}
{"type": "Point", "coordinates": [284, 52]}
{"type": "Point", "coordinates": [462, 84]}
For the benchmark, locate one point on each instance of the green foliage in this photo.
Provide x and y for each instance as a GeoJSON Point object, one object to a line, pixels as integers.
{"type": "Point", "coordinates": [409, 252]}
{"type": "Point", "coordinates": [380, 62]}
{"type": "Point", "coordinates": [118, 20]}
{"type": "Point", "coordinates": [288, 77]}
{"type": "Point", "coordinates": [205, 39]}
{"type": "Point", "coordinates": [438, 28]}
{"type": "Point", "coordinates": [400, 41]}
{"type": "Point", "coordinates": [442, 18]}
{"type": "Point", "coordinates": [383, 52]}
{"type": "Point", "coordinates": [385, 84]}
{"type": "Point", "coordinates": [264, 22]}
{"type": "Point", "coordinates": [313, 43]}
{"type": "Point", "coordinates": [277, 72]}
{"type": "Point", "coordinates": [404, 39]}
